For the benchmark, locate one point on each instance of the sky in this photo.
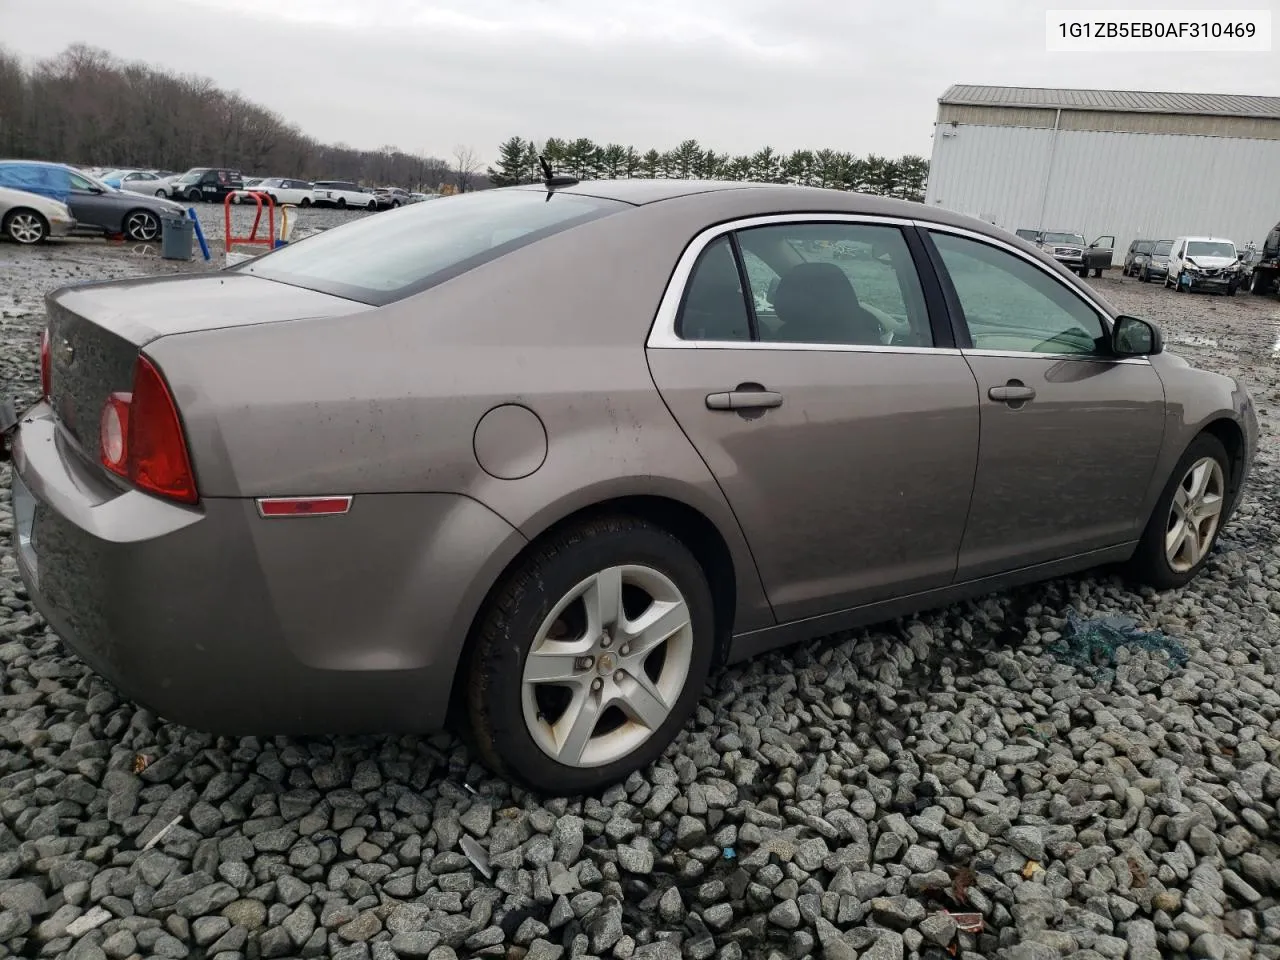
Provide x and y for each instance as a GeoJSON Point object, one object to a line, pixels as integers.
{"type": "Point", "coordinates": [432, 75]}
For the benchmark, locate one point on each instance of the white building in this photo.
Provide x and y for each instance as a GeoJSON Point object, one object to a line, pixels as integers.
{"type": "Point", "coordinates": [1131, 164]}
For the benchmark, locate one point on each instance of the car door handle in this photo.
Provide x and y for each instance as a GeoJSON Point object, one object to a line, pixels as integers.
{"type": "Point", "coordinates": [744, 400]}
{"type": "Point", "coordinates": [1012, 392]}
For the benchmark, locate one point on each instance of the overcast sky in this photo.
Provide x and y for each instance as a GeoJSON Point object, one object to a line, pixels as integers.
{"type": "Point", "coordinates": [428, 75]}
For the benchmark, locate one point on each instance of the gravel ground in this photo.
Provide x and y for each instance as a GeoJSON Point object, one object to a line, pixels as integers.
{"type": "Point", "coordinates": [829, 801]}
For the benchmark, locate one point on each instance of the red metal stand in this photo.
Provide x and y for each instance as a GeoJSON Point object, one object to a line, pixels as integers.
{"type": "Point", "coordinates": [251, 239]}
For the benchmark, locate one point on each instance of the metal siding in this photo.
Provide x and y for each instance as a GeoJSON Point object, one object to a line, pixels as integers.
{"type": "Point", "coordinates": [1119, 101]}
{"type": "Point", "coordinates": [1132, 186]}
{"type": "Point", "coordinates": [1187, 124]}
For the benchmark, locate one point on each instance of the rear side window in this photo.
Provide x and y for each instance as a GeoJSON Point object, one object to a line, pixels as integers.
{"type": "Point", "coordinates": [379, 260]}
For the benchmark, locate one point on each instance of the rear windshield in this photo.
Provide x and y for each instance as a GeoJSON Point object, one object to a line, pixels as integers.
{"type": "Point", "coordinates": [1162, 248]}
{"type": "Point", "coordinates": [378, 260]}
{"type": "Point", "coordinates": [1211, 248]}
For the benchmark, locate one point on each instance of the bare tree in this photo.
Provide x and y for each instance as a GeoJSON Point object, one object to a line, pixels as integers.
{"type": "Point", "coordinates": [465, 167]}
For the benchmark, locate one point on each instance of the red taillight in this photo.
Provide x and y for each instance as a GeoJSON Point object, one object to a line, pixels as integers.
{"type": "Point", "coordinates": [141, 437]}
{"type": "Point", "coordinates": [46, 372]}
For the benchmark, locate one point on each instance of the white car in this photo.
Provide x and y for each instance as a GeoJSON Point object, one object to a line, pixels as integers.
{"type": "Point", "coordinates": [29, 218]}
{"type": "Point", "coordinates": [139, 181]}
{"type": "Point", "coordinates": [1204, 263]}
{"type": "Point", "coordinates": [343, 194]}
{"type": "Point", "coordinates": [284, 190]}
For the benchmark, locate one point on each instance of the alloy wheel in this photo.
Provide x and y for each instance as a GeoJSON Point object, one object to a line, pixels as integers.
{"type": "Point", "coordinates": [26, 227]}
{"type": "Point", "coordinates": [607, 666]}
{"type": "Point", "coordinates": [1194, 514]}
{"type": "Point", "coordinates": [142, 226]}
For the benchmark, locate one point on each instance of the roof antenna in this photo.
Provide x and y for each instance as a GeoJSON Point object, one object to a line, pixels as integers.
{"type": "Point", "coordinates": [553, 179]}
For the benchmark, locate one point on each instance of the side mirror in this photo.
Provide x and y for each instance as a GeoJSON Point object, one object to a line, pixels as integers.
{"type": "Point", "coordinates": [1133, 337]}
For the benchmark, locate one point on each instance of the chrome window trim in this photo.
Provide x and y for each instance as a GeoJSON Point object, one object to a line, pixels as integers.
{"type": "Point", "coordinates": [662, 334]}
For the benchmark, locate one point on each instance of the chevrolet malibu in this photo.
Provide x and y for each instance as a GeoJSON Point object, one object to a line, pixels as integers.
{"type": "Point", "coordinates": [541, 458]}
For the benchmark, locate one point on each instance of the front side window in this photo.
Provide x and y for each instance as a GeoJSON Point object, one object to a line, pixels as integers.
{"type": "Point", "coordinates": [379, 260]}
{"type": "Point", "coordinates": [849, 284]}
{"type": "Point", "coordinates": [80, 183]}
{"type": "Point", "coordinates": [1011, 304]}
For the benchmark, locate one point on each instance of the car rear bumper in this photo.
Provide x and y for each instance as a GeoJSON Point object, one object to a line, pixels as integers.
{"type": "Point", "coordinates": [216, 618]}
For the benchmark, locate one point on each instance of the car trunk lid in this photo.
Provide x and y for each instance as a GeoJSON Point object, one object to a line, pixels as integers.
{"type": "Point", "coordinates": [96, 331]}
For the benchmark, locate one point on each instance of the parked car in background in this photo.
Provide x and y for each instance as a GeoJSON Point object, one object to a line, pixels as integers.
{"type": "Point", "coordinates": [419, 197]}
{"type": "Point", "coordinates": [1029, 235]}
{"type": "Point", "coordinates": [1071, 250]}
{"type": "Point", "coordinates": [211, 184]}
{"type": "Point", "coordinates": [565, 551]}
{"type": "Point", "coordinates": [285, 190]}
{"type": "Point", "coordinates": [1204, 263]}
{"type": "Point", "coordinates": [27, 217]}
{"type": "Point", "coordinates": [97, 208]}
{"type": "Point", "coordinates": [390, 197]}
{"type": "Point", "coordinates": [343, 194]}
{"type": "Point", "coordinates": [1154, 265]}
{"type": "Point", "coordinates": [1265, 270]}
{"type": "Point", "coordinates": [1137, 249]}
{"type": "Point", "coordinates": [154, 182]}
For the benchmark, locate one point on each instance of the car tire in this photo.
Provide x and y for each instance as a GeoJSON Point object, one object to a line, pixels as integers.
{"type": "Point", "coordinates": [25, 226]}
{"type": "Point", "coordinates": [373, 205]}
{"type": "Point", "coordinates": [1097, 271]}
{"type": "Point", "coordinates": [1143, 276]}
{"type": "Point", "coordinates": [535, 607]}
{"type": "Point", "coordinates": [342, 203]}
{"type": "Point", "coordinates": [193, 195]}
{"type": "Point", "coordinates": [1152, 563]}
{"type": "Point", "coordinates": [141, 226]}
{"type": "Point", "coordinates": [162, 194]}
{"type": "Point", "coordinates": [306, 202]}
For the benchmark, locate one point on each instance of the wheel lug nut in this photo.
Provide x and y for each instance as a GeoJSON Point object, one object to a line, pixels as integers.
{"type": "Point", "coordinates": [597, 683]}
{"type": "Point", "coordinates": [585, 663]}
{"type": "Point", "coordinates": [605, 641]}
{"type": "Point", "coordinates": [618, 675]}
{"type": "Point", "coordinates": [625, 650]}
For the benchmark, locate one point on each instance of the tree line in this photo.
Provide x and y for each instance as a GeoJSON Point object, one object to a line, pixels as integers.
{"type": "Point", "coordinates": [903, 177]}
{"type": "Point", "coordinates": [86, 107]}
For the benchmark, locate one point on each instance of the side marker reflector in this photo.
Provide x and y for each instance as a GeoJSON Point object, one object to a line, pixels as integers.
{"type": "Point", "coordinates": [303, 506]}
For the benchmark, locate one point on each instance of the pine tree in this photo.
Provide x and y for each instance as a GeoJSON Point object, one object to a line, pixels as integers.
{"type": "Point", "coordinates": [511, 164]}
{"type": "Point", "coordinates": [651, 164]}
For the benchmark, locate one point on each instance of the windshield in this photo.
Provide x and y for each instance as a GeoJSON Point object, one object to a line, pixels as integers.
{"type": "Point", "coordinates": [192, 175]}
{"type": "Point", "coordinates": [1162, 248]}
{"type": "Point", "coordinates": [114, 174]}
{"type": "Point", "coordinates": [1064, 238]}
{"type": "Point", "coordinates": [1211, 248]}
{"type": "Point", "coordinates": [382, 259]}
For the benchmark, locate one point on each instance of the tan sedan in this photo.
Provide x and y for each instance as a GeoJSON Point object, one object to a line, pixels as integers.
{"type": "Point", "coordinates": [541, 458]}
{"type": "Point", "coordinates": [29, 218]}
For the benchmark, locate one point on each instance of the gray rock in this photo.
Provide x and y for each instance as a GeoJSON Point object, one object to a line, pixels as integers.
{"type": "Point", "coordinates": [415, 944]}
{"type": "Point", "coordinates": [938, 928]}
{"type": "Point", "coordinates": [1028, 841]}
{"type": "Point", "coordinates": [785, 915]}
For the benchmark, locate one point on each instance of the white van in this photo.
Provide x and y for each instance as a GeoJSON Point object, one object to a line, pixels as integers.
{"type": "Point", "coordinates": [1203, 263]}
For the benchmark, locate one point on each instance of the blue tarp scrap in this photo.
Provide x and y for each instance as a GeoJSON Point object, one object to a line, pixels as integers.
{"type": "Point", "coordinates": [1091, 645]}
